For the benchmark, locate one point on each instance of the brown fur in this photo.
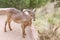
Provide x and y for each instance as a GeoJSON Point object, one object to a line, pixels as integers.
{"type": "Point", "coordinates": [18, 17]}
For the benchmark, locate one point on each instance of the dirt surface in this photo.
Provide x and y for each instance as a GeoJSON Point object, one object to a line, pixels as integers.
{"type": "Point", "coordinates": [16, 33]}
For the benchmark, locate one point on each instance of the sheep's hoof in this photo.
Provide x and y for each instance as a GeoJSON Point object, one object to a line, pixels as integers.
{"type": "Point", "coordinates": [23, 36]}
{"type": "Point", "coordinates": [5, 31]}
{"type": "Point", "coordinates": [10, 29]}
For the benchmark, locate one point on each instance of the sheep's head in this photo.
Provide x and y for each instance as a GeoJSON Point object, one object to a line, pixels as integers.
{"type": "Point", "coordinates": [30, 12]}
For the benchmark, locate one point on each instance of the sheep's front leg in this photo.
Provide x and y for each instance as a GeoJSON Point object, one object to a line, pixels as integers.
{"type": "Point", "coordinates": [23, 31]}
{"type": "Point", "coordinates": [24, 25]}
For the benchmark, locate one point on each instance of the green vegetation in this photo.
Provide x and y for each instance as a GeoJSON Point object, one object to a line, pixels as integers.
{"type": "Point", "coordinates": [45, 20]}
{"type": "Point", "coordinates": [20, 4]}
{"type": "Point", "coordinates": [47, 26]}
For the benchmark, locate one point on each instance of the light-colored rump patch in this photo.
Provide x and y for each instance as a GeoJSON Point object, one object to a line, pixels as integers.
{"type": "Point", "coordinates": [4, 8]}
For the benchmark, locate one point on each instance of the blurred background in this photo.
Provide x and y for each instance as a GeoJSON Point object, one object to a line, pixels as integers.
{"type": "Point", "coordinates": [21, 4]}
{"type": "Point", "coordinates": [47, 15]}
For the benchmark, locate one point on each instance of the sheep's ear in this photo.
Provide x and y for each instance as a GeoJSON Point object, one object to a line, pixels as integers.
{"type": "Point", "coordinates": [34, 10]}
